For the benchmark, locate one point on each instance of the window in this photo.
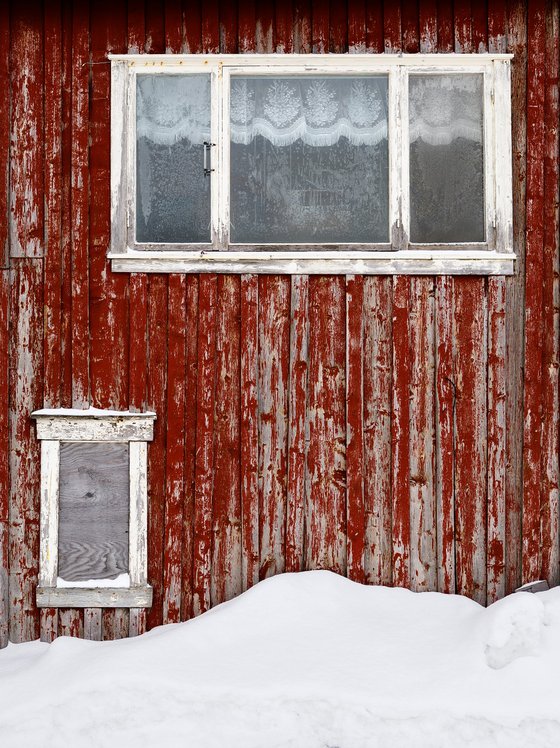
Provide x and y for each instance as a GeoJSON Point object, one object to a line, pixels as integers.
{"type": "Point", "coordinates": [312, 163]}
{"type": "Point", "coordinates": [93, 535]}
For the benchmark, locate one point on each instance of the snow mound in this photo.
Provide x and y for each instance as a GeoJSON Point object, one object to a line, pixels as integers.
{"type": "Point", "coordinates": [515, 628]}
{"type": "Point", "coordinates": [304, 660]}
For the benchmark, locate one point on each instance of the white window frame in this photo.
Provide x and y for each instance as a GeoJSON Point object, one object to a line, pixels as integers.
{"type": "Point", "coordinates": [89, 426]}
{"type": "Point", "coordinates": [495, 256]}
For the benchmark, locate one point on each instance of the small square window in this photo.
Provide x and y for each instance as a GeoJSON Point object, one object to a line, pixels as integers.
{"type": "Point", "coordinates": [93, 533]}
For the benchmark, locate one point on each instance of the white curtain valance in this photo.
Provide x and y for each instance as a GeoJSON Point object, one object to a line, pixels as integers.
{"type": "Point", "coordinates": [318, 111]}
{"type": "Point", "coordinates": [443, 108]}
{"type": "Point", "coordinates": [170, 108]}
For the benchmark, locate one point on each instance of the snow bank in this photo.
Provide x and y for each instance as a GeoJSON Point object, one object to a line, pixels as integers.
{"type": "Point", "coordinates": [308, 660]}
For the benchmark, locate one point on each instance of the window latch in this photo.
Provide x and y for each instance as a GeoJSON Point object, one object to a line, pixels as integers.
{"type": "Point", "coordinates": [206, 164]}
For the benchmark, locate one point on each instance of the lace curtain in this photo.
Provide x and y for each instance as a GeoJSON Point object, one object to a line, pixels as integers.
{"type": "Point", "coordinates": [446, 158]}
{"type": "Point", "coordinates": [318, 111]}
{"type": "Point", "coordinates": [443, 108]}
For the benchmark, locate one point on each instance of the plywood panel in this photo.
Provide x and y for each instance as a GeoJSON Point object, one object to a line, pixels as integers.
{"type": "Point", "coordinates": [94, 504]}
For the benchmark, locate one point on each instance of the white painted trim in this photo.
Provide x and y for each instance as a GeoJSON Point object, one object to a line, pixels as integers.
{"type": "Point", "coordinates": [305, 60]}
{"type": "Point", "coordinates": [94, 597]}
{"type": "Point", "coordinates": [135, 429]}
{"type": "Point", "coordinates": [219, 255]}
{"type": "Point", "coordinates": [110, 429]}
{"type": "Point", "coordinates": [50, 481]}
{"type": "Point", "coordinates": [138, 516]}
{"type": "Point", "coordinates": [407, 262]}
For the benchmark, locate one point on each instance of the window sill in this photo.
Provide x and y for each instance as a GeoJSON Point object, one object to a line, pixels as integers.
{"type": "Point", "coordinates": [95, 597]}
{"type": "Point", "coordinates": [404, 262]}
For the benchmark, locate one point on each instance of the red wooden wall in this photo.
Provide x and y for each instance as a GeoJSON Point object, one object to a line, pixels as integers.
{"type": "Point", "coordinates": [399, 430]}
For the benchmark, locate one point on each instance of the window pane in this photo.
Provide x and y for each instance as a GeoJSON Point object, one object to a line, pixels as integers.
{"type": "Point", "coordinates": [172, 193]}
{"type": "Point", "coordinates": [446, 158]}
{"type": "Point", "coordinates": [309, 159]}
{"type": "Point", "coordinates": [94, 509]}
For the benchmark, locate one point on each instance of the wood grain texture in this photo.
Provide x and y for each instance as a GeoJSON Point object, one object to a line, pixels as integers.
{"type": "Point", "coordinates": [93, 511]}
{"type": "Point", "coordinates": [398, 430]}
{"type": "Point", "coordinates": [550, 539]}
{"type": "Point", "coordinates": [26, 393]}
{"type": "Point", "coordinates": [274, 331]}
{"type": "Point", "coordinates": [534, 289]}
{"type": "Point", "coordinates": [4, 455]}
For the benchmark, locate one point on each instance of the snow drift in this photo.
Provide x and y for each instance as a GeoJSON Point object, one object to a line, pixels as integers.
{"type": "Point", "coordinates": [310, 660]}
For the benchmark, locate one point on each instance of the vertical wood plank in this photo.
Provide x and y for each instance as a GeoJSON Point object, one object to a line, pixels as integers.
{"type": "Point", "coordinates": [284, 28]}
{"type": "Point", "coordinates": [515, 290]}
{"type": "Point", "coordinates": [377, 373]}
{"type": "Point", "coordinates": [533, 383]}
{"type": "Point", "coordinates": [191, 399]}
{"type": "Point", "coordinates": [157, 400]}
{"type": "Point", "coordinates": [470, 339]}
{"type": "Point", "coordinates": [246, 26]}
{"type": "Point", "coordinates": [249, 430]}
{"type": "Point", "coordinates": [79, 206]}
{"type": "Point", "coordinates": [471, 406]}
{"type": "Point", "coordinates": [109, 292]}
{"type": "Point", "coordinates": [26, 394]}
{"type": "Point", "coordinates": [497, 385]}
{"type": "Point", "coordinates": [326, 469]}
{"type": "Point", "coordinates": [446, 390]}
{"type": "Point", "coordinates": [302, 26]}
{"type": "Point", "coordinates": [357, 27]}
{"type": "Point", "coordinates": [202, 533]}
{"type": "Point", "coordinates": [193, 27]}
{"type": "Point", "coordinates": [66, 238]}
{"type": "Point", "coordinates": [52, 47]}
{"type": "Point", "coordinates": [5, 135]}
{"type": "Point", "coordinates": [4, 455]}
{"type": "Point", "coordinates": [226, 537]}
{"type": "Point", "coordinates": [355, 505]}
{"type": "Point", "coordinates": [423, 557]}
{"type": "Point", "coordinates": [175, 452]}
{"type": "Point", "coordinates": [549, 541]}
{"type": "Point", "coordinates": [400, 434]}
{"type": "Point", "coordinates": [26, 142]}
{"type": "Point", "coordinates": [138, 296]}
{"type": "Point", "coordinates": [274, 341]}
{"type": "Point", "coordinates": [297, 448]}
{"type": "Point", "coordinates": [320, 26]}
{"type": "Point", "coordinates": [173, 23]}
{"type": "Point", "coordinates": [338, 27]}
{"type": "Point", "coordinates": [496, 588]}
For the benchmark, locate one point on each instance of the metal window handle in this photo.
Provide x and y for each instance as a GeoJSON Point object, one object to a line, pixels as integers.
{"type": "Point", "coordinates": [207, 146]}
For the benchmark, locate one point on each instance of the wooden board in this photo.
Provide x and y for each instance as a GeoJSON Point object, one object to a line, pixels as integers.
{"type": "Point", "coordinates": [398, 430]}
{"type": "Point", "coordinates": [94, 511]}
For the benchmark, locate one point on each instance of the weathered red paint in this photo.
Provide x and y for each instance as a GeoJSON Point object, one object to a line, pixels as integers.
{"type": "Point", "coordinates": [399, 430]}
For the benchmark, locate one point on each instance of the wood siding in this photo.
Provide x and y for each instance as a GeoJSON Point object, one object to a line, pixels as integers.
{"type": "Point", "coordinates": [399, 430]}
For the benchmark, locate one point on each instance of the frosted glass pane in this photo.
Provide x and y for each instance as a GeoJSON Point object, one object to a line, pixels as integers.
{"type": "Point", "coordinates": [172, 193]}
{"type": "Point", "coordinates": [94, 511]}
{"type": "Point", "coordinates": [446, 158]}
{"type": "Point", "coordinates": [309, 160]}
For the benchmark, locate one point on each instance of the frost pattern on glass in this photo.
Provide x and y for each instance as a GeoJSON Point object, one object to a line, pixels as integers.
{"type": "Point", "coordinates": [309, 160]}
{"type": "Point", "coordinates": [446, 158]}
{"type": "Point", "coordinates": [172, 193]}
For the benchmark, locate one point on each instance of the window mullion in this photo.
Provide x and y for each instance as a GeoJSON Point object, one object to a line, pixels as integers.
{"type": "Point", "coordinates": [395, 126]}
{"type": "Point", "coordinates": [216, 157]}
{"type": "Point", "coordinates": [404, 155]}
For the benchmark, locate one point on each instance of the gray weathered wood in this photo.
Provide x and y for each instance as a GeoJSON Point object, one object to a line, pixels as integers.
{"type": "Point", "coordinates": [91, 428]}
{"type": "Point", "coordinates": [86, 597]}
{"type": "Point", "coordinates": [93, 510]}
